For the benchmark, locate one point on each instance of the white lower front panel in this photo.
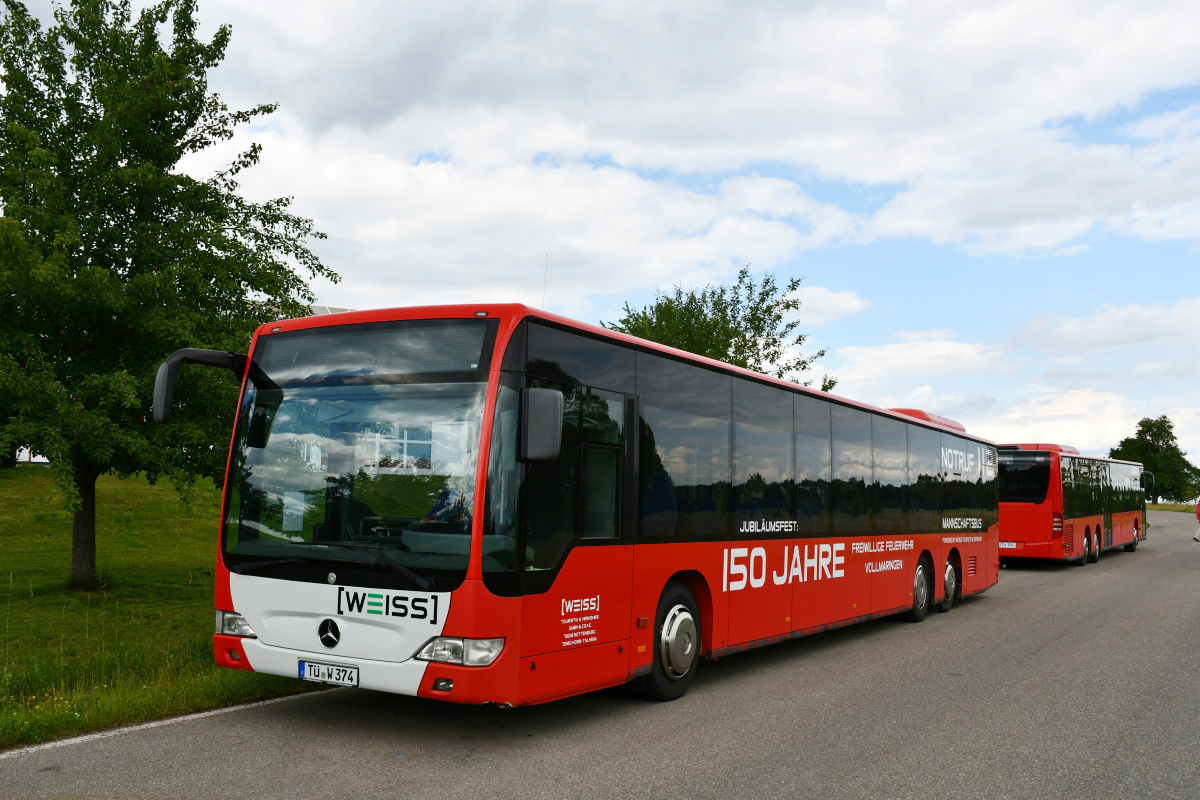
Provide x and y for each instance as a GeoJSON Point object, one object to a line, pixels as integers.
{"type": "Point", "coordinates": [402, 677]}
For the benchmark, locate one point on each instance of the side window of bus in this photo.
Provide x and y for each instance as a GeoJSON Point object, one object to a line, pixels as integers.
{"type": "Point", "coordinates": [851, 470]}
{"type": "Point", "coordinates": [1070, 496]}
{"type": "Point", "coordinates": [565, 356]}
{"type": "Point", "coordinates": [603, 423]}
{"type": "Point", "coordinates": [889, 454]}
{"type": "Point", "coordinates": [501, 521]}
{"type": "Point", "coordinates": [762, 452]}
{"type": "Point", "coordinates": [814, 465]}
{"type": "Point", "coordinates": [925, 471]}
{"type": "Point", "coordinates": [989, 487]}
{"type": "Point", "coordinates": [956, 500]}
{"type": "Point", "coordinates": [684, 449]}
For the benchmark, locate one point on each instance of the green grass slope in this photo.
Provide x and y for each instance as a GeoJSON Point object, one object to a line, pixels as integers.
{"type": "Point", "coordinates": [137, 649]}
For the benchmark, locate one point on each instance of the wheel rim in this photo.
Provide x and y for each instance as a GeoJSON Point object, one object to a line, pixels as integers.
{"type": "Point", "coordinates": [678, 642]}
{"type": "Point", "coordinates": [920, 587]}
{"type": "Point", "coordinates": [951, 583]}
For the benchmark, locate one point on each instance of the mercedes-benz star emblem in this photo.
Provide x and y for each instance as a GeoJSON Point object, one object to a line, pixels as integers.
{"type": "Point", "coordinates": [331, 577]}
{"type": "Point", "coordinates": [329, 633]}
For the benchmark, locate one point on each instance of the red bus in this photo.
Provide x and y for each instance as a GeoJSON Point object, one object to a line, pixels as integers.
{"type": "Point", "coordinates": [495, 504]}
{"type": "Point", "coordinates": [1060, 505]}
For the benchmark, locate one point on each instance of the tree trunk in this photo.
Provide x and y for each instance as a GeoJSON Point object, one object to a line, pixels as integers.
{"type": "Point", "coordinates": [83, 540]}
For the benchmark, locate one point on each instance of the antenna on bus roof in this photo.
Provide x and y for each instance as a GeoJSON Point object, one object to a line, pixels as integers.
{"type": "Point", "coordinates": [545, 278]}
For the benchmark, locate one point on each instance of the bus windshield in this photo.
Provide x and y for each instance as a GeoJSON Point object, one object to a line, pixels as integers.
{"type": "Point", "coordinates": [1024, 477]}
{"type": "Point", "coordinates": [358, 445]}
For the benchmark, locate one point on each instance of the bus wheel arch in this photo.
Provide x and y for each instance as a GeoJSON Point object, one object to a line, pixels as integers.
{"type": "Point", "coordinates": [698, 586]}
{"type": "Point", "coordinates": [1132, 545]}
{"type": "Point", "coordinates": [952, 578]}
{"type": "Point", "coordinates": [678, 642]}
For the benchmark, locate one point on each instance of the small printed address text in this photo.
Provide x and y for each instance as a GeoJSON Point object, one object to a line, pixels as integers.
{"type": "Point", "coordinates": [579, 618]}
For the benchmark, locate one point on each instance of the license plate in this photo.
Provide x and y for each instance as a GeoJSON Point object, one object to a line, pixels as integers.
{"type": "Point", "coordinates": [1008, 545]}
{"type": "Point", "coordinates": [329, 673]}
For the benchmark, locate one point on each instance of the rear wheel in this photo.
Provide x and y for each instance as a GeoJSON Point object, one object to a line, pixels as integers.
{"type": "Point", "coordinates": [952, 589]}
{"type": "Point", "coordinates": [1094, 554]}
{"type": "Point", "coordinates": [1087, 550]}
{"type": "Point", "coordinates": [676, 644]}
{"type": "Point", "coordinates": [921, 592]}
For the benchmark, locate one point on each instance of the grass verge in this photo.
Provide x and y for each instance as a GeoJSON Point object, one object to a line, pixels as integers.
{"type": "Point", "coordinates": [138, 648]}
{"type": "Point", "coordinates": [1171, 507]}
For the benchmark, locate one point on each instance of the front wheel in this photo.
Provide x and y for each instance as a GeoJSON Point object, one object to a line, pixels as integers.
{"type": "Point", "coordinates": [676, 644]}
{"type": "Point", "coordinates": [921, 593]}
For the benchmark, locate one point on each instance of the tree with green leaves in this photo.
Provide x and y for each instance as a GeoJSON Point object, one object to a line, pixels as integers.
{"type": "Point", "coordinates": [1154, 446]}
{"type": "Point", "coordinates": [112, 257]}
{"type": "Point", "coordinates": [745, 325]}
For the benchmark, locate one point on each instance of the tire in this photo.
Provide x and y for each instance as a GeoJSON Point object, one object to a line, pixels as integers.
{"type": "Point", "coordinates": [953, 588]}
{"type": "Point", "coordinates": [1087, 550]}
{"type": "Point", "coordinates": [921, 592]}
{"type": "Point", "coordinates": [1131, 546]}
{"type": "Point", "coordinates": [677, 644]}
{"type": "Point", "coordinates": [1094, 553]}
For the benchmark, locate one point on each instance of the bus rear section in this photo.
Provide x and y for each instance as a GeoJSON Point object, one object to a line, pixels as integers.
{"type": "Point", "coordinates": [1031, 507]}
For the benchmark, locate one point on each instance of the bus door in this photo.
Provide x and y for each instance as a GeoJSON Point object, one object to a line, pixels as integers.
{"type": "Point", "coordinates": [578, 556]}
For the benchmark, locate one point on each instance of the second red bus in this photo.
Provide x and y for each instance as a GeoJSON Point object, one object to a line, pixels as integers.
{"type": "Point", "coordinates": [1058, 504]}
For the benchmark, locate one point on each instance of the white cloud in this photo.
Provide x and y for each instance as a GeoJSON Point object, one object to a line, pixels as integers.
{"type": "Point", "coordinates": [967, 114]}
{"type": "Point", "coordinates": [959, 407]}
{"type": "Point", "coordinates": [1088, 419]}
{"type": "Point", "coordinates": [879, 370]}
{"type": "Point", "coordinates": [407, 230]}
{"type": "Point", "coordinates": [1164, 326]}
{"type": "Point", "coordinates": [820, 306]}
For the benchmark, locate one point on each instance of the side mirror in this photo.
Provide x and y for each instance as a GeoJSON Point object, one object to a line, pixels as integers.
{"type": "Point", "coordinates": [1147, 481]}
{"type": "Point", "coordinates": [168, 373]}
{"type": "Point", "coordinates": [541, 424]}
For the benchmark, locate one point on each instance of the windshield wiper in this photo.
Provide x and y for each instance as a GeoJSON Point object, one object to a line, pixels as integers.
{"type": "Point", "coordinates": [375, 550]}
{"type": "Point", "coordinates": [420, 580]}
{"type": "Point", "coordinates": [254, 566]}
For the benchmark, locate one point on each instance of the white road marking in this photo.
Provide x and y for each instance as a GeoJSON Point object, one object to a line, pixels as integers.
{"type": "Point", "coordinates": [89, 737]}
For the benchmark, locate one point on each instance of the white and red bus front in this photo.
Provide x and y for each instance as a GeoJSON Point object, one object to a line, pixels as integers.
{"type": "Point", "coordinates": [346, 543]}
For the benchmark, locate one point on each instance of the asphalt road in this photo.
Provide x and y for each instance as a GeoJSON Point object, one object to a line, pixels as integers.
{"type": "Point", "coordinates": [1060, 682]}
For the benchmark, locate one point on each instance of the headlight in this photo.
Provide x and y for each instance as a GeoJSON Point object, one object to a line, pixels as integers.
{"type": "Point", "coordinates": [469, 652]}
{"type": "Point", "coordinates": [232, 623]}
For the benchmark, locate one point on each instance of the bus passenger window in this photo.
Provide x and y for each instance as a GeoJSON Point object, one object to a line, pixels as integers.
{"type": "Point", "coordinates": [601, 488]}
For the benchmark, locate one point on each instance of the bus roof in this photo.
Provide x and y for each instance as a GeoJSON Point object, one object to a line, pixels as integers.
{"type": "Point", "coordinates": [1054, 448]}
{"type": "Point", "coordinates": [937, 419]}
{"type": "Point", "coordinates": [515, 312]}
{"type": "Point", "coordinates": [1065, 449]}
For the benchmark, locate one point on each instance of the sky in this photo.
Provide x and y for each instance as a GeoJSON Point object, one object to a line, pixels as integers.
{"type": "Point", "coordinates": [994, 207]}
